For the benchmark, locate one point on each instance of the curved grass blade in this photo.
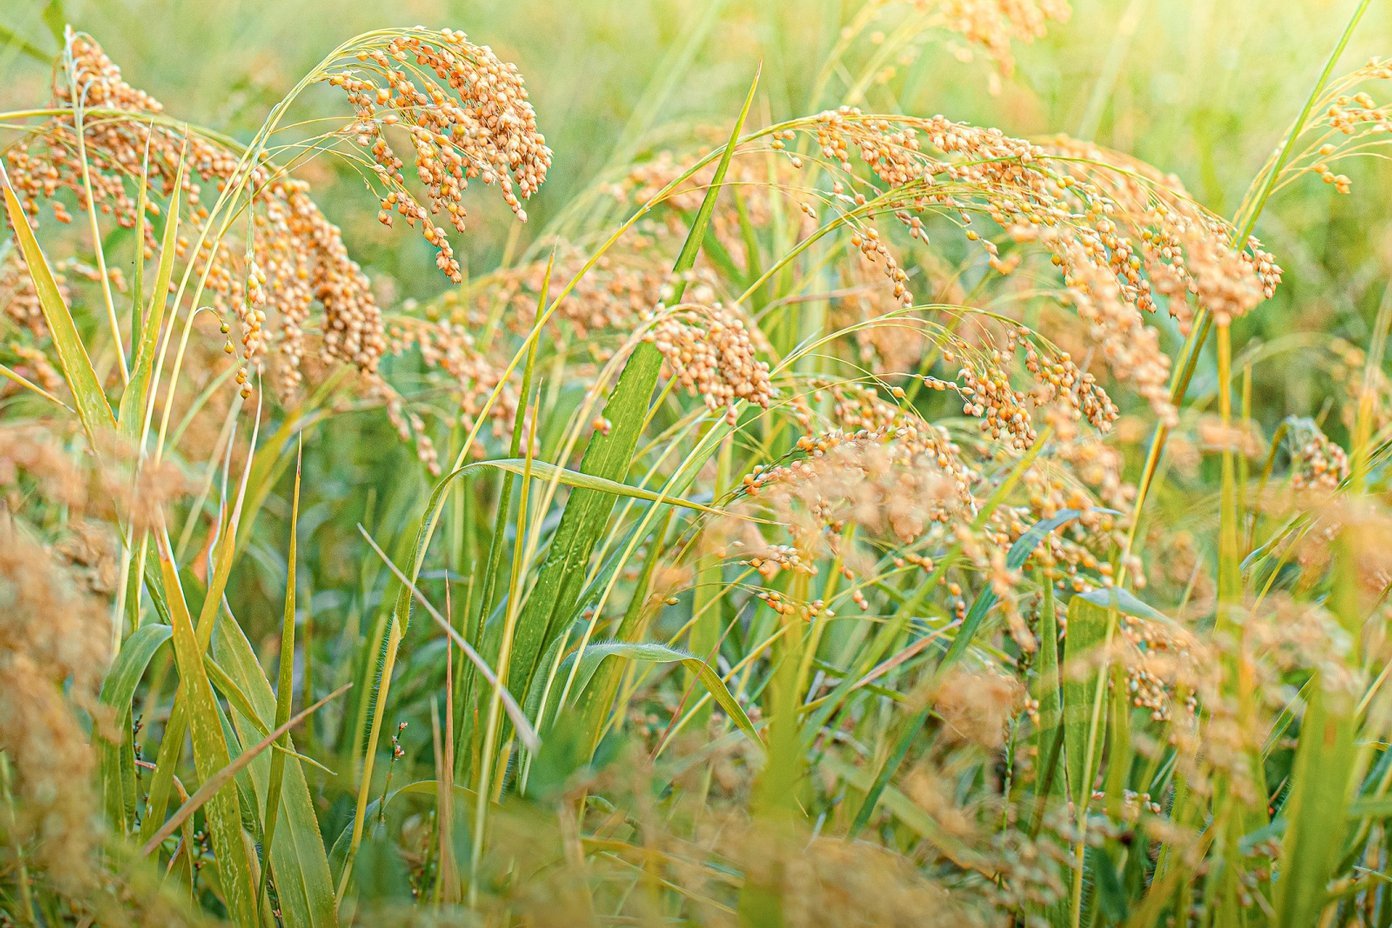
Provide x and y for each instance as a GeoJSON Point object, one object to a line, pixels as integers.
{"type": "Point", "coordinates": [285, 684]}
{"type": "Point", "coordinates": [135, 396]}
{"type": "Point", "coordinates": [76, 365]}
{"type": "Point", "coordinates": [527, 736]}
{"type": "Point", "coordinates": [1015, 558]}
{"type": "Point", "coordinates": [224, 776]}
{"type": "Point", "coordinates": [608, 457]}
{"type": "Point", "coordinates": [582, 481]}
{"type": "Point", "coordinates": [1123, 601]}
{"type": "Point", "coordinates": [210, 753]}
{"type": "Point", "coordinates": [655, 653]}
{"type": "Point", "coordinates": [298, 861]}
{"type": "Point", "coordinates": [118, 692]}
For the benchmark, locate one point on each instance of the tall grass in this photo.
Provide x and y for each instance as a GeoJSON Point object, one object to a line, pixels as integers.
{"type": "Point", "coordinates": [838, 516]}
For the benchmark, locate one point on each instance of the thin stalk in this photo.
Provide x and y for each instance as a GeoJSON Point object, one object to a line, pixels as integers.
{"type": "Point", "coordinates": [79, 95]}
{"type": "Point", "coordinates": [1198, 335]}
{"type": "Point", "coordinates": [504, 662]}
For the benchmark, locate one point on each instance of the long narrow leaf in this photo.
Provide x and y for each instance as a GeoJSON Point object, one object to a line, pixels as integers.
{"type": "Point", "coordinates": [136, 395]}
{"type": "Point", "coordinates": [118, 691]}
{"type": "Point", "coordinates": [298, 860]}
{"type": "Point", "coordinates": [285, 684]}
{"type": "Point", "coordinates": [655, 653]}
{"type": "Point", "coordinates": [224, 776]}
{"type": "Point", "coordinates": [607, 457]}
{"type": "Point", "coordinates": [73, 360]}
{"type": "Point", "coordinates": [210, 754]}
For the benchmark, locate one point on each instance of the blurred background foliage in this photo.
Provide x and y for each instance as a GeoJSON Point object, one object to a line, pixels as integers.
{"type": "Point", "coordinates": [1198, 88]}
{"type": "Point", "coordinates": [1202, 89]}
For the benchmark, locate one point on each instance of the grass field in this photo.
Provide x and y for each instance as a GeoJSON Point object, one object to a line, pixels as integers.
{"type": "Point", "coordinates": [891, 463]}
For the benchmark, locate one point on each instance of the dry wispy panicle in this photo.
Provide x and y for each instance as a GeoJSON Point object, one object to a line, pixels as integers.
{"type": "Point", "coordinates": [614, 295]}
{"type": "Point", "coordinates": [450, 348]}
{"type": "Point", "coordinates": [1068, 394]}
{"type": "Point", "coordinates": [996, 24]}
{"type": "Point", "coordinates": [713, 852]}
{"type": "Point", "coordinates": [989, 26]}
{"type": "Point", "coordinates": [987, 348]}
{"type": "Point", "coordinates": [1184, 250]}
{"type": "Point", "coordinates": [1317, 462]}
{"type": "Point", "coordinates": [17, 294]}
{"type": "Point", "coordinates": [888, 474]}
{"type": "Point", "coordinates": [1078, 460]}
{"type": "Point", "coordinates": [886, 332]}
{"type": "Point", "coordinates": [34, 364]}
{"type": "Point", "coordinates": [709, 352]}
{"type": "Point", "coordinates": [53, 649]}
{"type": "Point", "coordinates": [1107, 227]}
{"type": "Point", "coordinates": [1348, 123]}
{"type": "Point", "coordinates": [861, 416]}
{"type": "Point", "coordinates": [34, 455]}
{"type": "Point", "coordinates": [888, 492]}
{"type": "Point", "coordinates": [967, 870]}
{"type": "Point", "coordinates": [976, 704]}
{"type": "Point", "coordinates": [1334, 529]}
{"type": "Point", "coordinates": [36, 452]}
{"type": "Point", "coordinates": [830, 882]}
{"type": "Point", "coordinates": [1356, 378]}
{"type": "Point", "coordinates": [19, 301]}
{"type": "Point", "coordinates": [466, 115]}
{"type": "Point", "coordinates": [301, 259]}
{"type": "Point", "coordinates": [1187, 682]}
{"type": "Point", "coordinates": [1239, 437]}
{"type": "Point", "coordinates": [463, 332]}
{"type": "Point", "coordinates": [1107, 234]}
{"type": "Point", "coordinates": [1158, 656]}
{"type": "Point", "coordinates": [297, 256]}
{"type": "Point", "coordinates": [88, 550]}
{"type": "Point", "coordinates": [771, 186]}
